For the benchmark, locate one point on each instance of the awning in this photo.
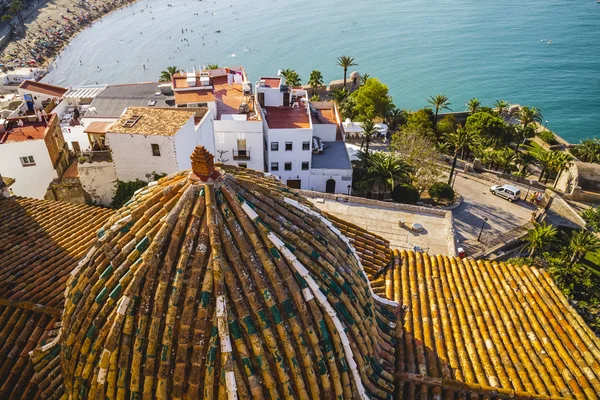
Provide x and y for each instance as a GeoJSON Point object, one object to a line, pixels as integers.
{"type": "Point", "coordinates": [98, 127]}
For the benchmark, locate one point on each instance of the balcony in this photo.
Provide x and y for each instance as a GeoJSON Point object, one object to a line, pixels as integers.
{"type": "Point", "coordinates": [241, 154]}
{"type": "Point", "coordinates": [94, 156]}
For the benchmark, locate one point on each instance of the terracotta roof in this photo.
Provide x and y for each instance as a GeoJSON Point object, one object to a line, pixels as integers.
{"type": "Point", "coordinates": [29, 130]}
{"type": "Point", "coordinates": [41, 242]}
{"type": "Point", "coordinates": [286, 117]}
{"type": "Point", "coordinates": [271, 82]}
{"type": "Point", "coordinates": [98, 127]}
{"type": "Point", "coordinates": [489, 329]}
{"type": "Point", "coordinates": [194, 96]}
{"type": "Point", "coordinates": [44, 88]}
{"type": "Point", "coordinates": [205, 288]}
{"type": "Point", "coordinates": [152, 121]}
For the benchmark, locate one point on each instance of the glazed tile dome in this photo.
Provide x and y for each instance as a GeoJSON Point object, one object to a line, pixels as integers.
{"type": "Point", "coordinates": [220, 282]}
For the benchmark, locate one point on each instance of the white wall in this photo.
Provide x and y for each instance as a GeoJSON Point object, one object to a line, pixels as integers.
{"type": "Point", "coordinates": [98, 180]}
{"type": "Point", "coordinates": [226, 135]}
{"type": "Point", "coordinates": [31, 181]}
{"type": "Point", "coordinates": [204, 132]}
{"type": "Point", "coordinates": [133, 159]}
{"type": "Point", "coordinates": [273, 96]}
{"type": "Point", "coordinates": [37, 97]}
{"type": "Point", "coordinates": [185, 142]}
{"type": "Point", "coordinates": [319, 178]}
{"type": "Point", "coordinates": [296, 156]}
{"type": "Point", "coordinates": [325, 131]}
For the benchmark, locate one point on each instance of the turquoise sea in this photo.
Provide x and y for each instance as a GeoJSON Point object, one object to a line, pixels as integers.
{"type": "Point", "coordinates": [543, 53]}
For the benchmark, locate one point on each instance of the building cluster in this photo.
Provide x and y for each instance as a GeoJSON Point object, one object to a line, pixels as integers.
{"type": "Point", "coordinates": [141, 130]}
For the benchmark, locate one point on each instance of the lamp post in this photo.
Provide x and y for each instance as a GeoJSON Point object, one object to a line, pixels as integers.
{"type": "Point", "coordinates": [349, 187]}
{"type": "Point", "coordinates": [546, 124]}
{"type": "Point", "coordinates": [481, 231]}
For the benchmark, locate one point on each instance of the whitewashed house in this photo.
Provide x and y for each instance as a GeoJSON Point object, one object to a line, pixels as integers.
{"type": "Point", "coordinates": [33, 153]}
{"type": "Point", "coordinates": [39, 94]}
{"type": "Point", "coordinates": [12, 78]}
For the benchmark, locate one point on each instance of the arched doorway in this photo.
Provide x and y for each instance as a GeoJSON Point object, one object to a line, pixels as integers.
{"type": "Point", "coordinates": [330, 186]}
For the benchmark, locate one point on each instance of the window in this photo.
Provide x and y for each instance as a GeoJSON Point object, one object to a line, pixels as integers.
{"type": "Point", "coordinates": [155, 150]}
{"type": "Point", "coordinates": [304, 165]}
{"type": "Point", "coordinates": [305, 145]}
{"type": "Point", "coordinates": [242, 165]}
{"type": "Point", "coordinates": [27, 161]}
{"type": "Point", "coordinates": [274, 146]}
{"type": "Point", "coordinates": [274, 166]}
{"type": "Point", "coordinates": [288, 166]}
{"type": "Point", "coordinates": [288, 146]}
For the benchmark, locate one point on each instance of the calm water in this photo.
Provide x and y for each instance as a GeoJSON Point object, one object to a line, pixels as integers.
{"type": "Point", "coordinates": [462, 48]}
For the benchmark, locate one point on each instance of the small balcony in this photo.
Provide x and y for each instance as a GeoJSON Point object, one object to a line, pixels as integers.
{"type": "Point", "coordinates": [241, 154]}
{"type": "Point", "coordinates": [94, 156]}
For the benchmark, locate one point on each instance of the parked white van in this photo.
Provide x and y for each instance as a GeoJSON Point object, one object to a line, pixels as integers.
{"type": "Point", "coordinates": [509, 192]}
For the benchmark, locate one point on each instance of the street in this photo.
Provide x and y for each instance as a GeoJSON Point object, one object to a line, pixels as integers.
{"type": "Point", "coordinates": [480, 203]}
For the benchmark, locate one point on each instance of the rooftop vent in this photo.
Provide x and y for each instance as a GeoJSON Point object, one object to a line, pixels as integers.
{"type": "Point", "coordinates": [131, 121]}
{"type": "Point", "coordinates": [191, 79]}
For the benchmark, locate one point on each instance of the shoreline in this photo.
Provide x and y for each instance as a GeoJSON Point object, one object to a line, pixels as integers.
{"type": "Point", "coordinates": [50, 32]}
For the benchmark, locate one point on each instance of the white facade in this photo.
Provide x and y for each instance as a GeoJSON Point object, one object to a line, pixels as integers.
{"type": "Point", "coordinates": [230, 138]}
{"type": "Point", "coordinates": [99, 181]}
{"type": "Point", "coordinates": [31, 180]}
{"type": "Point", "coordinates": [273, 97]}
{"type": "Point", "coordinates": [9, 80]}
{"type": "Point", "coordinates": [342, 178]}
{"type": "Point", "coordinates": [294, 158]}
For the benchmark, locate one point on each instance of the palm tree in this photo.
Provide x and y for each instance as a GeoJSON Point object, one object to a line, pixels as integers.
{"type": "Point", "coordinates": [439, 102]}
{"type": "Point", "coordinates": [581, 243]}
{"type": "Point", "coordinates": [345, 62]}
{"type": "Point", "coordinates": [14, 10]}
{"type": "Point", "coordinates": [292, 78]}
{"type": "Point", "coordinates": [520, 134]}
{"type": "Point", "coordinates": [539, 237]}
{"type": "Point", "coordinates": [315, 97]}
{"type": "Point", "coordinates": [588, 150]}
{"type": "Point", "coordinates": [592, 217]}
{"type": "Point", "coordinates": [528, 115]}
{"type": "Point", "coordinates": [212, 66]}
{"type": "Point", "coordinates": [315, 80]}
{"type": "Point", "coordinates": [396, 117]}
{"type": "Point", "coordinates": [285, 72]}
{"type": "Point", "coordinates": [364, 78]}
{"type": "Point", "coordinates": [460, 140]}
{"type": "Point", "coordinates": [386, 169]}
{"type": "Point", "coordinates": [562, 161]}
{"type": "Point", "coordinates": [545, 160]}
{"type": "Point", "coordinates": [339, 95]}
{"type": "Point", "coordinates": [501, 105]}
{"type": "Point", "coordinates": [506, 158]}
{"type": "Point", "coordinates": [165, 76]}
{"type": "Point", "coordinates": [473, 105]}
{"type": "Point", "coordinates": [369, 130]}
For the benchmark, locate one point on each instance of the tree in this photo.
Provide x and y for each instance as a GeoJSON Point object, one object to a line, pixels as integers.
{"type": "Point", "coordinates": [165, 76]}
{"type": "Point", "coordinates": [491, 129]}
{"type": "Point", "coordinates": [561, 161]}
{"type": "Point", "coordinates": [439, 102]}
{"type": "Point", "coordinates": [460, 140]}
{"type": "Point", "coordinates": [441, 191]}
{"type": "Point", "coordinates": [339, 95]}
{"type": "Point", "coordinates": [405, 193]}
{"type": "Point", "coordinates": [372, 99]}
{"type": "Point", "coordinates": [592, 217]}
{"type": "Point", "coordinates": [501, 105]}
{"type": "Point", "coordinates": [291, 77]}
{"type": "Point", "coordinates": [582, 242]}
{"type": "Point", "coordinates": [386, 169]}
{"type": "Point", "coordinates": [421, 122]}
{"type": "Point", "coordinates": [345, 62]}
{"type": "Point", "coordinates": [520, 134]}
{"type": "Point", "coordinates": [212, 66]}
{"type": "Point", "coordinates": [369, 130]}
{"type": "Point", "coordinates": [315, 80]}
{"type": "Point", "coordinates": [420, 153]}
{"type": "Point", "coordinates": [473, 105]}
{"type": "Point", "coordinates": [540, 237]}
{"type": "Point", "coordinates": [396, 117]}
{"type": "Point", "coordinates": [14, 10]}
{"type": "Point", "coordinates": [364, 78]}
{"type": "Point", "coordinates": [588, 150]}
{"type": "Point", "coordinates": [529, 115]}
{"type": "Point", "coordinates": [545, 160]}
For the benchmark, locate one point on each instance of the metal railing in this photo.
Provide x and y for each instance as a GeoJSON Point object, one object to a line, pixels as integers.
{"type": "Point", "coordinates": [241, 154]}
{"type": "Point", "coordinates": [94, 156]}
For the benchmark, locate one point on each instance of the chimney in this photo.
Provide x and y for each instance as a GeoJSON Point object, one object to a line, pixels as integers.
{"type": "Point", "coordinates": [203, 165]}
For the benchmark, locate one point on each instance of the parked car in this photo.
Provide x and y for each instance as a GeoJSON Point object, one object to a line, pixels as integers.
{"type": "Point", "coordinates": [509, 192]}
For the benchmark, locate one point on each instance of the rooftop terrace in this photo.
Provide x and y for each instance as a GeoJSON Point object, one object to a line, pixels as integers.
{"type": "Point", "coordinates": [31, 130]}
{"type": "Point", "coordinates": [287, 117]}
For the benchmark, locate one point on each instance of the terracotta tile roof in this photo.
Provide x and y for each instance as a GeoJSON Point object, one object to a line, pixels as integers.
{"type": "Point", "coordinates": [196, 288]}
{"type": "Point", "coordinates": [44, 88]}
{"type": "Point", "coordinates": [489, 329]}
{"type": "Point", "coordinates": [194, 96]}
{"type": "Point", "coordinates": [41, 242]}
{"type": "Point", "coordinates": [29, 130]}
{"type": "Point", "coordinates": [287, 117]}
{"type": "Point", "coordinates": [152, 121]}
{"type": "Point", "coordinates": [271, 82]}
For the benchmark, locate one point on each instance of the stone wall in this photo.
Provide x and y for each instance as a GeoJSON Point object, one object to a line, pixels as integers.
{"type": "Point", "coordinates": [67, 189]}
{"type": "Point", "coordinates": [98, 180]}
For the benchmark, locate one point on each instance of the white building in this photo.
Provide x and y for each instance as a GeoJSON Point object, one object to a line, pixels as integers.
{"type": "Point", "coordinates": [237, 127]}
{"type": "Point", "coordinates": [39, 95]}
{"type": "Point", "coordinates": [11, 79]}
{"type": "Point", "coordinates": [154, 140]}
{"type": "Point", "coordinates": [33, 152]}
{"type": "Point", "coordinates": [299, 133]}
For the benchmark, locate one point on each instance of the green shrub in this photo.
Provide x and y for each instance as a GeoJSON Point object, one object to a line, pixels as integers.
{"type": "Point", "coordinates": [548, 137]}
{"type": "Point", "coordinates": [404, 193]}
{"type": "Point", "coordinates": [441, 191]}
{"type": "Point", "coordinates": [125, 190]}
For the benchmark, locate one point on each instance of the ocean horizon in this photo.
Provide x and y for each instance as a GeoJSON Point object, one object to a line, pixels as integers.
{"type": "Point", "coordinates": [538, 53]}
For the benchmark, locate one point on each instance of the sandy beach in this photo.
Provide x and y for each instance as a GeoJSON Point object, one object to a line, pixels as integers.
{"type": "Point", "coordinates": [50, 26]}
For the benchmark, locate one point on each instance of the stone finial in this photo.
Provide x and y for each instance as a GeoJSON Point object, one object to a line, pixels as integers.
{"type": "Point", "coordinates": [203, 164]}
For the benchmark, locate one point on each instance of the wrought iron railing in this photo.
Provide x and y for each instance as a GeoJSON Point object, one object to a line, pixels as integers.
{"type": "Point", "coordinates": [241, 154]}
{"type": "Point", "coordinates": [94, 156]}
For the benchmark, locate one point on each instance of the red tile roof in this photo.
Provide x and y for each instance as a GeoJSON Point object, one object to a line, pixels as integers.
{"type": "Point", "coordinates": [44, 88]}
{"type": "Point", "coordinates": [287, 117]}
{"type": "Point", "coordinates": [29, 131]}
{"type": "Point", "coordinates": [271, 82]}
